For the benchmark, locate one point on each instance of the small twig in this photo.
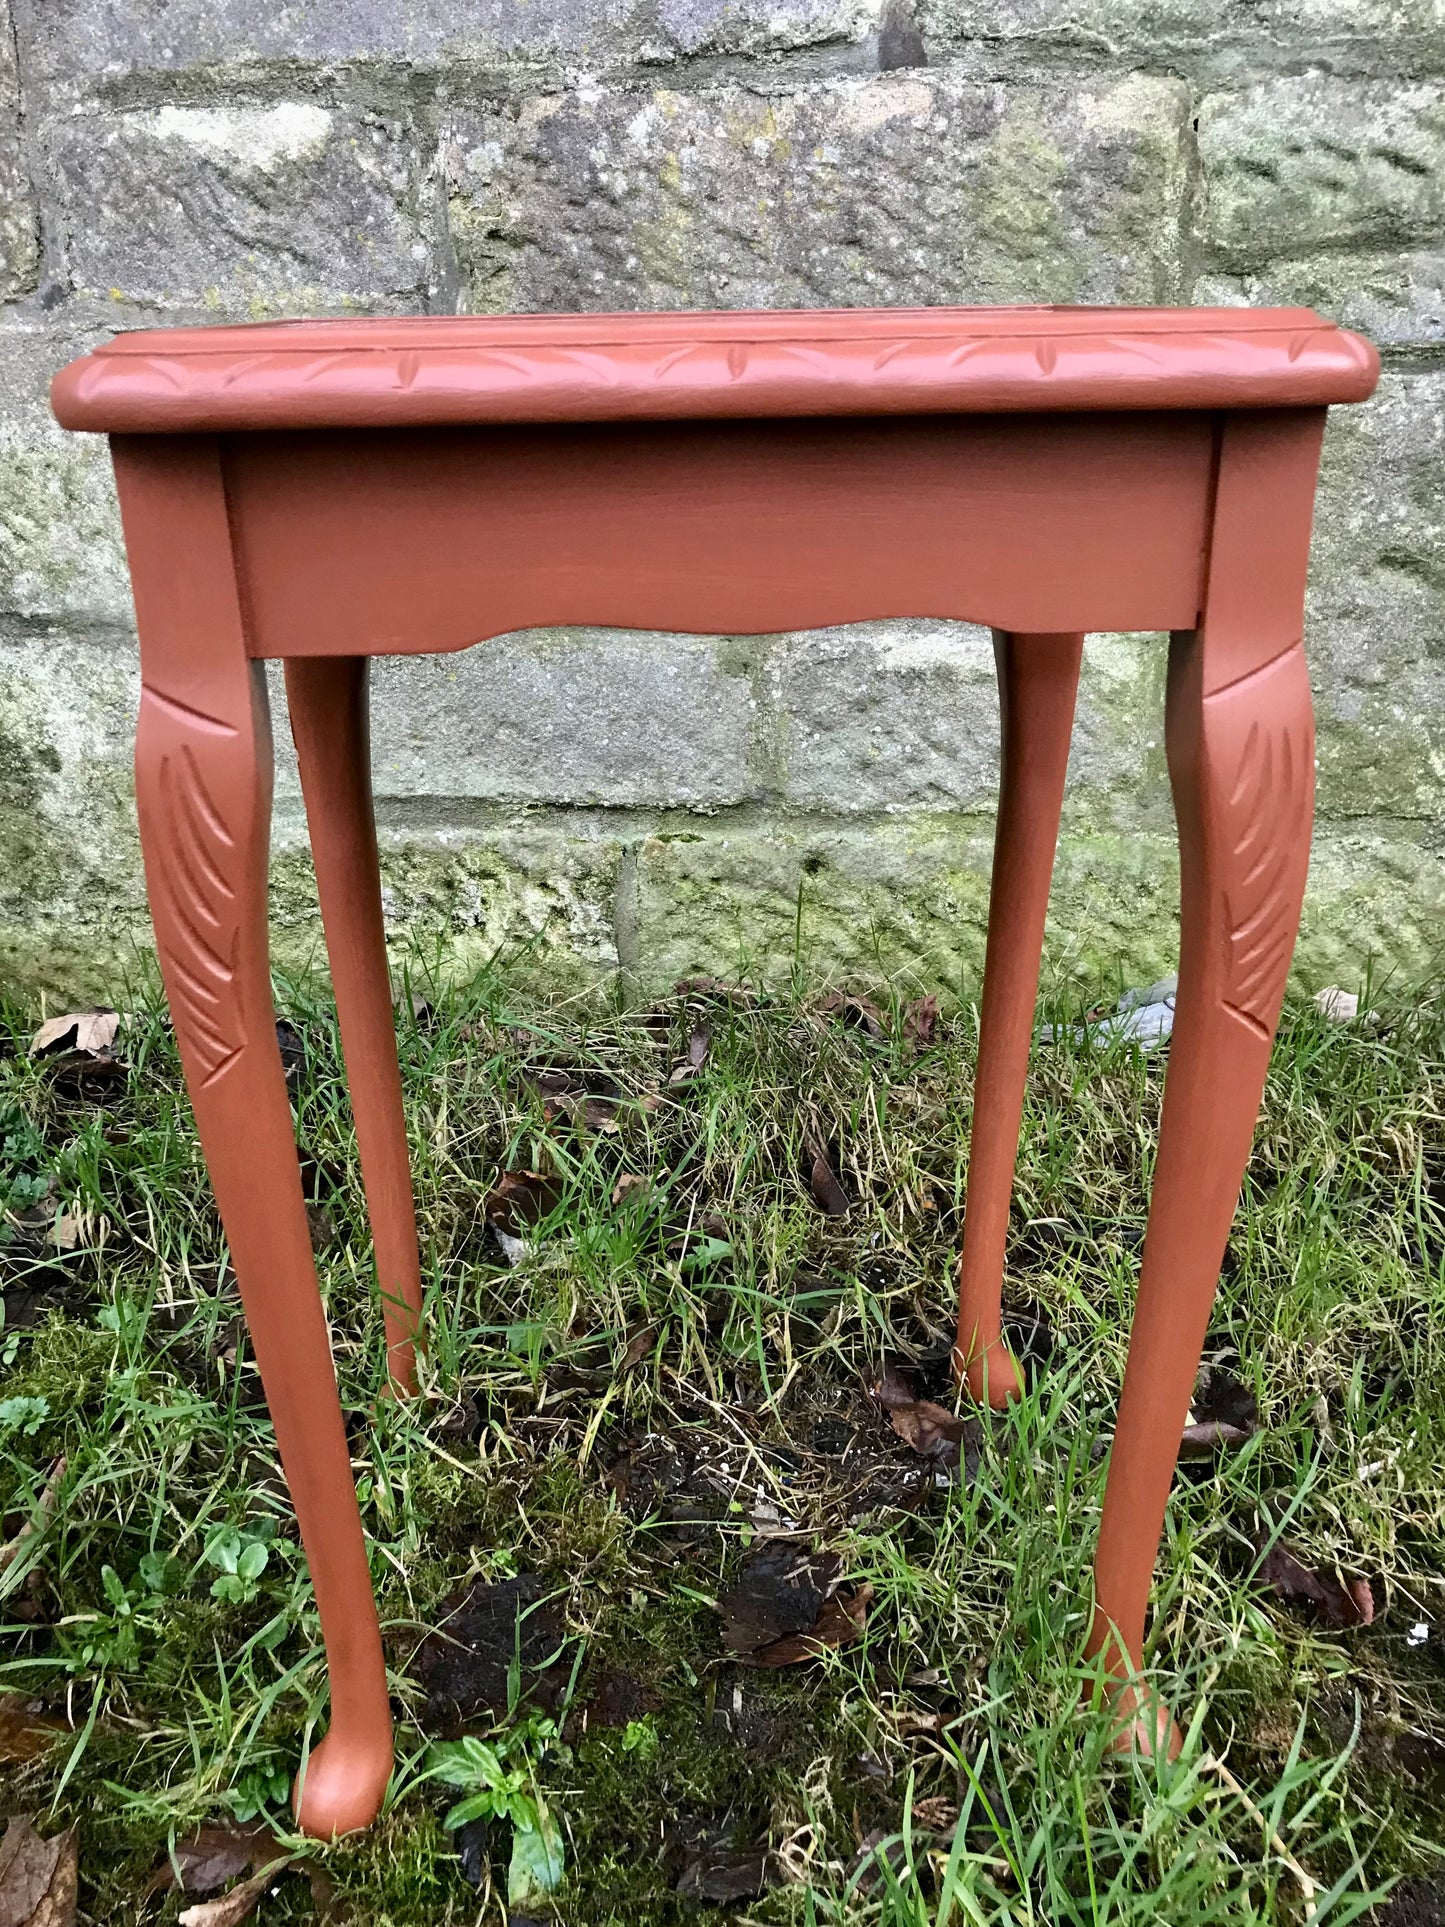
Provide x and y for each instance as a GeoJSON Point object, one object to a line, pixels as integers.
{"type": "Point", "coordinates": [44, 1505]}
{"type": "Point", "coordinates": [1307, 1887]}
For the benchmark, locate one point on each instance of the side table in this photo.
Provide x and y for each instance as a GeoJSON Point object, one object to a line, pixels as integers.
{"type": "Point", "coordinates": [324, 492]}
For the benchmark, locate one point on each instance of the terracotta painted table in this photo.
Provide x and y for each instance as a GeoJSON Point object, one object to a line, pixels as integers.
{"type": "Point", "coordinates": [325, 492]}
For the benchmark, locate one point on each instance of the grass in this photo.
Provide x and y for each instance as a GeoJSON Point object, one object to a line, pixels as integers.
{"type": "Point", "coordinates": [668, 1372]}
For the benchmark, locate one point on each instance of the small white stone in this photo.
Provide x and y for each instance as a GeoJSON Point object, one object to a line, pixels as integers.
{"type": "Point", "coordinates": [1338, 1005]}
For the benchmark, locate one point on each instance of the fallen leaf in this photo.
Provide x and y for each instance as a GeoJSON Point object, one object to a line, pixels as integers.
{"type": "Point", "coordinates": [617, 1699]}
{"type": "Point", "coordinates": [1330, 1597]}
{"type": "Point", "coordinates": [627, 1184]}
{"type": "Point", "coordinates": [840, 1622]}
{"type": "Point", "coordinates": [721, 1874]}
{"type": "Point", "coordinates": [952, 1443]}
{"type": "Point", "coordinates": [920, 1020]}
{"type": "Point", "coordinates": [784, 1607]}
{"type": "Point", "coordinates": [78, 1048]}
{"type": "Point", "coordinates": [697, 1045]}
{"type": "Point", "coordinates": [639, 1345]}
{"type": "Point", "coordinates": [319, 1223]}
{"type": "Point", "coordinates": [824, 1185]}
{"type": "Point", "coordinates": [471, 1843]}
{"type": "Point", "coordinates": [521, 1200]}
{"type": "Point", "coordinates": [92, 1031]}
{"type": "Point", "coordinates": [38, 1878]}
{"type": "Point", "coordinates": [865, 1869]}
{"type": "Point", "coordinates": [26, 1729]}
{"type": "Point", "coordinates": [861, 1013]}
{"type": "Point", "coordinates": [780, 1589]}
{"type": "Point", "coordinates": [44, 1506]}
{"type": "Point", "coordinates": [212, 1855]}
{"type": "Point", "coordinates": [330, 1907]}
{"type": "Point", "coordinates": [1224, 1413]}
{"type": "Point", "coordinates": [417, 1004]}
{"type": "Point", "coordinates": [714, 987]}
{"type": "Point", "coordinates": [705, 1239]}
{"type": "Point", "coordinates": [584, 1110]}
{"type": "Point", "coordinates": [230, 1909]}
{"type": "Point", "coordinates": [292, 1047]}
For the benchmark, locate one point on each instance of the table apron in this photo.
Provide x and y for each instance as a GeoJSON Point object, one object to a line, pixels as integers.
{"type": "Point", "coordinates": [386, 542]}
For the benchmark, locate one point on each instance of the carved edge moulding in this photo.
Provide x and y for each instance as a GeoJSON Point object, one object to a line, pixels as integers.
{"type": "Point", "coordinates": [433, 371]}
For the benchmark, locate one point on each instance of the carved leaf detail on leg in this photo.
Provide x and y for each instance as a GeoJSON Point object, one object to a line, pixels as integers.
{"type": "Point", "coordinates": [1267, 803]}
{"type": "Point", "coordinates": [194, 859]}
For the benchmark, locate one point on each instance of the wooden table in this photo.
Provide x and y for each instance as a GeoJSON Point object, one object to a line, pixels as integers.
{"type": "Point", "coordinates": [325, 492]}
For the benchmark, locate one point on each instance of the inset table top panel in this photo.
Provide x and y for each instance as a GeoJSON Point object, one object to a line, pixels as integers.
{"type": "Point", "coordinates": [438, 370]}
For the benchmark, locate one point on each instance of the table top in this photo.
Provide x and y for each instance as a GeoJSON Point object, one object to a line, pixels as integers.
{"type": "Point", "coordinates": [439, 370]}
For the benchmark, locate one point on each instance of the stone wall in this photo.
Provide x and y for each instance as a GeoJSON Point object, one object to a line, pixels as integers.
{"type": "Point", "coordinates": [658, 804]}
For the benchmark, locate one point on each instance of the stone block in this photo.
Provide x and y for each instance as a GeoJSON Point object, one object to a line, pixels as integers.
{"type": "Point", "coordinates": [61, 553]}
{"type": "Point", "coordinates": [1330, 194]}
{"type": "Point", "coordinates": [537, 896]}
{"type": "Point", "coordinates": [908, 904]}
{"type": "Point", "coordinates": [91, 48]}
{"type": "Point", "coordinates": [71, 894]}
{"type": "Point", "coordinates": [845, 902]}
{"type": "Point", "coordinates": [895, 716]}
{"type": "Point", "coordinates": [903, 188]}
{"type": "Point", "coordinates": [19, 219]}
{"type": "Point", "coordinates": [248, 211]}
{"type": "Point", "coordinates": [1376, 614]}
{"type": "Point", "coordinates": [579, 717]}
{"type": "Point", "coordinates": [1396, 299]}
{"type": "Point", "coordinates": [886, 716]}
{"type": "Point", "coordinates": [1210, 41]}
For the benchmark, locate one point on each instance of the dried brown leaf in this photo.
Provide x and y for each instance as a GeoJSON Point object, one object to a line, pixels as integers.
{"type": "Point", "coordinates": [785, 1608]}
{"type": "Point", "coordinates": [639, 1344]}
{"type": "Point", "coordinates": [586, 1111]}
{"type": "Point", "coordinates": [721, 1874]}
{"type": "Point", "coordinates": [1328, 1596]}
{"type": "Point", "coordinates": [1203, 1440]}
{"type": "Point", "coordinates": [230, 1909]}
{"type": "Point", "coordinates": [38, 1878]}
{"type": "Point", "coordinates": [920, 1020]}
{"type": "Point", "coordinates": [521, 1200]}
{"type": "Point", "coordinates": [329, 1905]}
{"type": "Point", "coordinates": [780, 1589]}
{"type": "Point", "coordinates": [468, 1662]}
{"type": "Point", "coordinates": [840, 1621]}
{"type": "Point", "coordinates": [212, 1855]}
{"type": "Point", "coordinates": [950, 1441]}
{"type": "Point", "coordinates": [714, 987]}
{"type": "Point", "coordinates": [823, 1183]}
{"type": "Point", "coordinates": [44, 1506]}
{"type": "Point", "coordinates": [90, 1031]}
{"type": "Point", "coordinates": [1224, 1413]}
{"type": "Point", "coordinates": [627, 1184]}
{"type": "Point", "coordinates": [26, 1729]}
{"type": "Point", "coordinates": [855, 1010]}
{"type": "Point", "coordinates": [322, 1228]}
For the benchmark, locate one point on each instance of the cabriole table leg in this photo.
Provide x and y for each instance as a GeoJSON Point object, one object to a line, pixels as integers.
{"type": "Point", "coordinates": [327, 700]}
{"type": "Point", "coordinates": [1038, 679]}
{"type": "Point", "coordinates": [1240, 741]}
{"type": "Point", "coordinates": [203, 784]}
